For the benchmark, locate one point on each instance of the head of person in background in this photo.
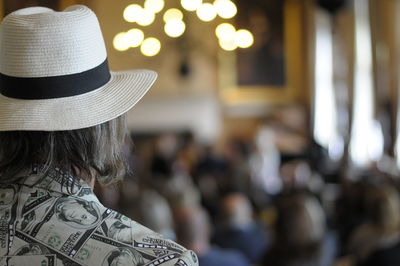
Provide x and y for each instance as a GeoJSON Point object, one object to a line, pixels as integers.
{"type": "Point", "coordinates": [381, 231]}
{"type": "Point", "coordinates": [193, 231]}
{"type": "Point", "coordinates": [154, 212]}
{"type": "Point", "coordinates": [60, 105]}
{"type": "Point", "coordinates": [236, 210]}
{"type": "Point", "coordinates": [239, 230]}
{"type": "Point", "coordinates": [299, 229]}
{"type": "Point", "coordinates": [383, 209]}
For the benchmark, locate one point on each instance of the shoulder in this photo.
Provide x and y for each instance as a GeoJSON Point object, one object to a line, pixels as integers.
{"type": "Point", "coordinates": [153, 247]}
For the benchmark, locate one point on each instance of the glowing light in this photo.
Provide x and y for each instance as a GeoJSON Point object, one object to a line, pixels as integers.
{"type": "Point", "coordinates": [227, 44]}
{"type": "Point", "coordinates": [206, 12]}
{"type": "Point", "coordinates": [191, 5]}
{"type": "Point", "coordinates": [133, 12]}
{"type": "Point", "coordinates": [325, 128]}
{"type": "Point", "coordinates": [175, 28]}
{"type": "Point", "coordinates": [244, 38]}
{"type": "Point", "coordinates": [365, 139]}
{"type": "Point", "coordinates": [172, 13]}
{"type": "Point", "coordinates": [154, 6]}
{"type": "Point", "coordinates": [134, 37]}
{"type": "Point", "coordinates": [147, 17]}
{"type": "Point", "coordinates": [120, 42]}
{"type": "Point", "coordinates": [225, 31]}
{"type": "Point", "coordinates": [225, 8]}
{"type": "Point", "coordinates": [150, 47]}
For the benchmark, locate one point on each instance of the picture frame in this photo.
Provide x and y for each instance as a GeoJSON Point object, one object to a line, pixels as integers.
{"type": "Point", "coordinates": [233, 94]}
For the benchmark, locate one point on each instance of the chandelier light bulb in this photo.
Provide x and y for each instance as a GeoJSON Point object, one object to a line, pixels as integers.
{"type": "Point", "coordinates": [154, 6]}
{"type": "Point", "coordinates": [174, 28]}
{"type": "Point", "coordinates": [120, 42]}
{"type": "Point", "coordinates": [191, 5]}
{"type": "Point", "coordinates": [172, 13]}
{"type": "Point", "coordinates": [225, 8]}
{"type": "Point", "coordinates": [206, 12]}
{"type": "Point", "coordinates": [150, 46]}
{"type": "Point", "coordinates": [147, 17]}
{"type": "Point", "coordinates": [134, 37]}
{"type": "Point", "coordinates": [227, 45]}
{"type": "Point", "coordinates": [132, 13]}
{"type": "Point", "coordinates": [225, 31]}
{"type": "Point", "coordinates": [244, 38]}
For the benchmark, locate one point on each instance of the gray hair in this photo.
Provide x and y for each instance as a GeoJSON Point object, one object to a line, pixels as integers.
{"type": "Point", "coordinates": [79, 152]}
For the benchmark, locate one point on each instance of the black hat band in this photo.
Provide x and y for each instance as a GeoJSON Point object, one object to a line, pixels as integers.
{"type": "Point", "coordinates": [40, 88]}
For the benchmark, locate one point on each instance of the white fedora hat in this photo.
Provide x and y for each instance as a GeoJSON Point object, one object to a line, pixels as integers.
{"type": "Point", "coordinates": [54, 73]}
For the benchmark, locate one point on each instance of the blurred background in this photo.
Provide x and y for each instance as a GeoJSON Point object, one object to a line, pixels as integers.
{"type": "Point", "coordinates": [272, 134]}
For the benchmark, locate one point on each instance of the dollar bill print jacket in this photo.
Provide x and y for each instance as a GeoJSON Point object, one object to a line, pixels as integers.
{"type": "Point", "coordinates": [44, 223]}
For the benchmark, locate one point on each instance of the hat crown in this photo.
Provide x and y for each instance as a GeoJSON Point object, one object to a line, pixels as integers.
{"type": "Point", "coordinates": [40, 42]}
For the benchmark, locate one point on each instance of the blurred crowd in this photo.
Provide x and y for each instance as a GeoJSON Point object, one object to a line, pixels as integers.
{"type": "Point", "coordinates": [242, 202]}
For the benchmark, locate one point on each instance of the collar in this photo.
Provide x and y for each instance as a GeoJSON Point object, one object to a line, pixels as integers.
{"type": "Point", "coordinates": [54, 179]}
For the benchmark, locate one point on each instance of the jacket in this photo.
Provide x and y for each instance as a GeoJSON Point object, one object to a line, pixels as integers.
{"type": "Point", "coordinates": [56, 219]}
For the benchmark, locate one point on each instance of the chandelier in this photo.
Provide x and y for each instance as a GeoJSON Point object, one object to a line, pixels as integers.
{"type": "Point", "coordinates": [229, 38]}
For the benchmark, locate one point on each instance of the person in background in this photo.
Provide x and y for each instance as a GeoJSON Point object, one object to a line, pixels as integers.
{"type": "Point", "coordinates": [153, 211]}
{"type": "Point", "coordinates": [193, 231]}
{"type": "Point", "coordinates": [377, 242]}
{"type": "Point", "coordinates": [238, 230]}
{"type": "Point", "coordinates": [300, 238]}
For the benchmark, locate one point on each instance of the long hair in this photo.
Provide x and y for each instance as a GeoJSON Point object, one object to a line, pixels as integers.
{"type": "Point", "coordinates": [300, 229]}
{"type": "Point", "coordinates": [383, 204]}
{"type": "Point", "coordinates": [80, 152]}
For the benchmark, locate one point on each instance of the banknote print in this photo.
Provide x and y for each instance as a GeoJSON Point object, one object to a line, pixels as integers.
{"type": "Point", "coordinates": [8, 195]}
{"type": "Point", "coordinates": [77, 213]}
{"type": "Point", "coordinates": [8, 213]}
{"type": "Point", "coordinates": [42, 260]}
{"type": "Point", "coordinates": [42, 223]}
{"type": "Point", "coordinates": [32, 249]}
{"type": "Point", "coordinates": [122, 257]}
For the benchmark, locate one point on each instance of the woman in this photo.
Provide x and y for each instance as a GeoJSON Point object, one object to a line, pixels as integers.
{"type": "Point", "coordinates": [62, 126]}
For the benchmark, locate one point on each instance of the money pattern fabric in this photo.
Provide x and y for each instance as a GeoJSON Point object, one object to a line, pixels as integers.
{"type": "Point", "coordinates": [43, 222]}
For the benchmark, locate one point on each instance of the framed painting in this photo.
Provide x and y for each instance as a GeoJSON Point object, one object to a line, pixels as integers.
{"type": "Point", "coordinates": [271, 70]}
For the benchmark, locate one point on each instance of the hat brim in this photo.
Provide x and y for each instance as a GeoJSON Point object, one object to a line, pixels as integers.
{"type": "Point", "coordinates": [115, 98]}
